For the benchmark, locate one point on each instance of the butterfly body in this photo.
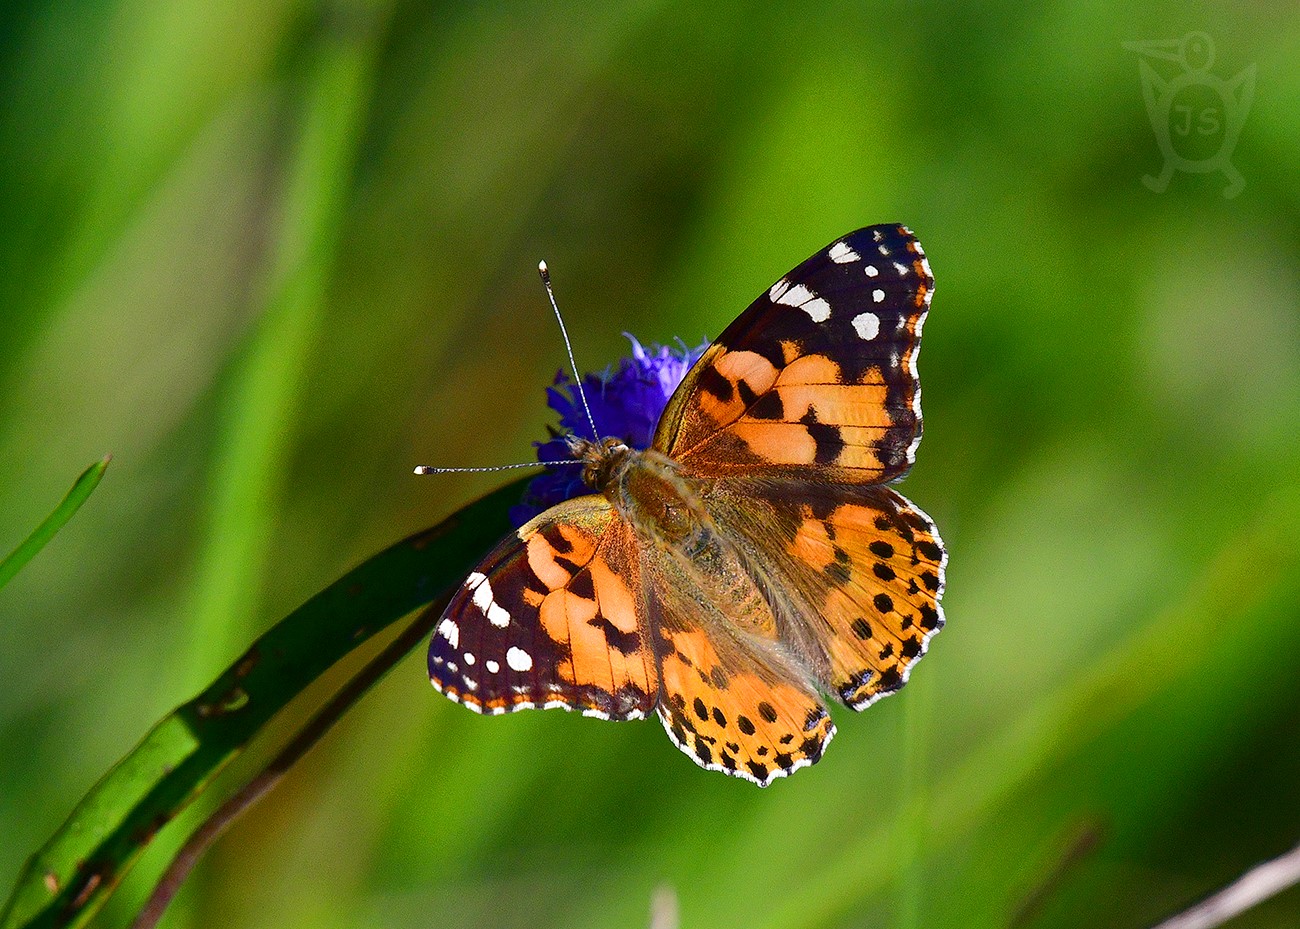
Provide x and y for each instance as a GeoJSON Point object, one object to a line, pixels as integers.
{"type": "Point", "coordinates": [666, 513]}
{"type": "Point", "coordinates": [753, 556]}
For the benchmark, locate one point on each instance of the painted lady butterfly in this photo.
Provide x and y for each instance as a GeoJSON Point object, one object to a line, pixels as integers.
{"type": "Point", "coordinates": [753, 555]}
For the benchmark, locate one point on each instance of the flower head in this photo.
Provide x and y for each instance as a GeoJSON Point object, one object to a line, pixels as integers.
{"type": "Point", "coordinates": [626, 402]}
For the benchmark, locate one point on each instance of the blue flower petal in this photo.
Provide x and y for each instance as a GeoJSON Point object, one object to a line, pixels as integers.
{"type": "Point", "coordinates": [626, 402]}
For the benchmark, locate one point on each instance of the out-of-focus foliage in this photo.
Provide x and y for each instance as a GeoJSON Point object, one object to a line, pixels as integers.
{"type": "Point", "coordinates": [273, 254]}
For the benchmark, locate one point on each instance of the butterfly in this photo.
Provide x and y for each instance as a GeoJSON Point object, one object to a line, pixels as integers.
{"type": "Point", "coordinates": [753, 557]}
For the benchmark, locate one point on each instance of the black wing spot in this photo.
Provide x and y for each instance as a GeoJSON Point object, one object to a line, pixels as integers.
{"type": "Point", "coordinates": [701, 710]}
{"type": "Point", "coordinates": [765, 710]}
{"type": "Point", "coordinates": [826, 438]}
{"type": "Point", "coordinates": [881, 549]}
{"type": "Point", "coordinates": [769, 406]}
{"type": "Point", "coordinates": [861, 628]}
{"type": "Point", "coordinates": [745, 725]}
{"type": "Point", "coordinates": [582, 586]}
{"type": "Point", "coordinates": [625, 642]}
{"type": "Point", "coordinates": [747, 395]}
{"type": "Point", "coordinates": [883, 602]}
{"type": "Point", "coordinates": [715, 383]}
{"type": "Point", "coordinates": [930, 550]}
{"type": "Point", "coordinates": [556, 540]}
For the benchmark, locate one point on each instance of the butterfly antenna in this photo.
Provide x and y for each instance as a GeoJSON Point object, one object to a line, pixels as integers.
{"type": "Point", "coordinates": [568, 346]}
{"type": "Point", "coordinates": [429, 469]}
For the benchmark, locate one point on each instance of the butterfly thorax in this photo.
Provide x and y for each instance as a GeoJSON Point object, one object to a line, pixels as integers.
{"type": "Point", "coordinates": [646, 489]}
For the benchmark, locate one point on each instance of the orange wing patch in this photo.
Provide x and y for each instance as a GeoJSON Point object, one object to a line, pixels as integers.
{"type": "Point", "coordinates": [550, 620]}
{"type": "Point", "coordinates": [730, 712]}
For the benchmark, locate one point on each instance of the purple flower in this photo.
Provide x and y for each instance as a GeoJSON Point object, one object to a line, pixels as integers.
{"type": "Point", "coordinates": [626, 402]}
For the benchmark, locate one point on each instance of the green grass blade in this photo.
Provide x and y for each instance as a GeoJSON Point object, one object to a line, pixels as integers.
{"type": "Point", "coordinates": [66, 882]}
{"type": "Point", "coordinates": [80, 492]}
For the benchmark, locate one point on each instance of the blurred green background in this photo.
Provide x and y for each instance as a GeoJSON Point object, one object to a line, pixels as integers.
{"type": "Point", "coordinates": [273, 254]}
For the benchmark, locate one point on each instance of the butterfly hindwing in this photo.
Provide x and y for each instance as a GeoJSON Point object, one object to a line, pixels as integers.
{"type": "Point", "coordinates": [552, 618]}
{"type": "Point", "coordinates": [729, 701]}
{"type": "Point", "coordinates": [819, 371]}
{"type": "Point", "coordinates": [857, 571]}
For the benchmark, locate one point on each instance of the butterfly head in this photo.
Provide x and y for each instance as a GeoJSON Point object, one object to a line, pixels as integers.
{"type": "Point", "coordinates": [601, 461]}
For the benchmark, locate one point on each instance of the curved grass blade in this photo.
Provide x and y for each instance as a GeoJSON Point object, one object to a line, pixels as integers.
{"type": "Point", "coordinates": [66, 882]}
{"type": "Point", "coordinates": [81, 490]}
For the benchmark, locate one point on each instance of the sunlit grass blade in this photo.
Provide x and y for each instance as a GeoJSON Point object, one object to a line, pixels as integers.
{"type": "Point", "coordinates": [81, 490]}
{"type": "Point", "coordinates": [67, 881]}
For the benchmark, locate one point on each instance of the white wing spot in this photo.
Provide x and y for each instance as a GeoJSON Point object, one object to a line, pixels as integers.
{"type": "Point", "coordinates": [450, 631]}
{"type": "Point", "coordinates": [878, 295]}
{"type": "Point", "coordinates": [492, 666]}
{"type": "Point", "coordinates": [469, 658]}
{"type": "Point", "coordinates": [817, 309]}
{"type": "Point", "coordinates": [801, 297]}
{"type": "Point", "coordinates": [518, 659]}
{"type": "Point", "coordinates": [871, 271]}
{"type": "Point", "coordinates": [841, 254]}
{"type": "Point", "coordinates": [483, 595]}
{"type": "Point", "coordinates": [901, 268]}
{"type": "Point", "coordinates": [867, 326]}
{"type": "Point", "coordinates": [483, 600]}
{"type": "Point", "coordinates": [882, 249]}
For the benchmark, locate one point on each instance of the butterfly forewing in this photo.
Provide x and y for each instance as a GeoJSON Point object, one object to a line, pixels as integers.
{"type": "Point", "coordinates": [552, 618]}
{"type": "Point", "coordinates": [819, 372]}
